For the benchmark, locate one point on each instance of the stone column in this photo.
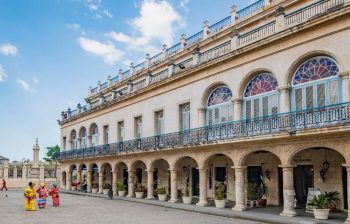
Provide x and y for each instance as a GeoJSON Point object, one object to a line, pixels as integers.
{"type": "Point", "coordinates": [203, 179]}
{"type": "Point", "coordinates": [6, 172]}
{"type": "Point", "coordinates": [114, 181]}
{"type": "Point", "coordinates": [234, 39]}
{"type": "Point", "coordinates": [150, 184]}
{"type": "Point", "coordinates": [173, 186]}
{"type": "Point", "coordinates": [240, 189]}
{"type": "Point", "coordinates": [237, 109]}
{"type": "Point", "coordinates": [130, 183]}
{"type": "Point", "coordinates": [165, 51]}
{"type": "Point", "coordinates": [62, 184]}
{"type": "Point", "coordinates": [345, 86]}
{"type": "Point", "coordinates": [201, 117]}
{"type": "Point", "coordinates": [42, 173]}
{"type": "Point", "coordinates": [280, 19]}
{"type": "Point", "coordinates": [206, 30]}
{"type": "Point", "coordinates": [24, 173]}
{"type": "Point", "coordinates": [79, 178]}
{"type": "Point", "coordinates": [15, 172]}
{"type": "Point", "coordinates": [196, 57]}
{"type": "Point", "coordinates": [233, 15]}
{"type": "Point", "coordinates": [1, 171]}
{"type": "Point", "coordinates": [100, 182]}
{"type": "Point", "coordinates": [288, 191]}
{"type": "Point", "coordinates": [88, 181]}
{"type": "Point", "coordinates": [69, 180]}
{"type": "Point", "coordinates": [284, 99]}
{"type": "Point", "coordinates": [347, 221]}
{"type": "Point", "coordinates": [183, 41]}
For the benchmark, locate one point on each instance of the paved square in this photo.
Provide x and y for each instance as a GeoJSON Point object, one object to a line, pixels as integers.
{"type": "Point", "coordinates": [85, 210]}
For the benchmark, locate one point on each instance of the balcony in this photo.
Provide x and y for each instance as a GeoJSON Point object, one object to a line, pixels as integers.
{"type": "Point", "coordinates": [286, 123]}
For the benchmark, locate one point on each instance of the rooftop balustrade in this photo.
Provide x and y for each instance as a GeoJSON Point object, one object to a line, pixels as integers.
{"type": "Point", "coordinates": [270, 28]}
{"type": "Point", "coordinates": [284, 123]}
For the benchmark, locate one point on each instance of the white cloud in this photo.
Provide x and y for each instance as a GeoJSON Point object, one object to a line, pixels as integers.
{"type": "Point", "coordinates": [8, 49]}
{"type": "Point", "coordinates": [35, 79]}
{"type": "Point", "coordinates": [183, 4]}
{"type": "Point", "coordinates": [107, 51]}
{"type": "Point", "coordinates": [156, 24]}
{"type": "Point", "coordinates": [93, 7]}
{"type": "Point", "coordinates": [73, 26]}
{"type": "Point", "coordinates": [3, 74]}
{"type": "Point", "coordinates": [107, 13]}
{"type": "Point", "coordinates": [25, 86]}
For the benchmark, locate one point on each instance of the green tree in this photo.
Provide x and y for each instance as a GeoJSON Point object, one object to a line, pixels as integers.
{"type": "Point", "coordinates": [51, 151]}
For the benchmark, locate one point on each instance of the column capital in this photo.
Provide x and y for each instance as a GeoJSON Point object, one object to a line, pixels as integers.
{"type": "Point", "coordinates": [287, 166]}
{"type": "Point", "coordinates": [238, 167]}
{"type": "Point", "coordinates": [237, 100]}
{"type": "Point", "coordinates": [347, 166]}
{"type": "Point", "coordinates": [283, 89]}
{"type": "Point", "coordinates": [344, 75]}
{"type": "Point", "coordinates": [201, 109]}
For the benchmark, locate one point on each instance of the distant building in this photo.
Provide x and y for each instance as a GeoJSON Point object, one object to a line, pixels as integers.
{"type": "Point", "coordinates": [19, 173]}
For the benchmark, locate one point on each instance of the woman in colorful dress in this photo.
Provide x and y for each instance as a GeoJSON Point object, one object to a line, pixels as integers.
{"type": "Point", "coordinates": [54, 194]}
{"type": "Point", "coordinates": [42, 195]}
{"type": "Point", "coordinates": [29, 194]}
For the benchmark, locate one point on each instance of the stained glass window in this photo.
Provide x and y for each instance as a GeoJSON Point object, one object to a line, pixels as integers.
{"type": "Point", "coordinates": [219, 95]}
{"type": "Point", "coordinates": [314, 69]}
{"type": "Point", "coordinates": [262, 83]}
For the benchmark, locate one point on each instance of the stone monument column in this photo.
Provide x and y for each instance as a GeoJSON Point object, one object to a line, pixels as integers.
{"type": "Point", "coordinates": [173, 186]}
{"type": "Point", "coordinates": [24, 173]}
{"type": "Point", "coordinates": [36, 150]}
{"type": "Point", "coordinates": [6, 172]}
{"type": "Point", "coordinates": [15, 172]}
{"type": "Point", "coordinates": [42, 173]}
{"type": "Point", "coordinates": [1, 171]}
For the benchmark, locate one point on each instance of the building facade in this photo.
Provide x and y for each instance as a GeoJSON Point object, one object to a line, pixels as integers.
{"type": "Point", "coordinates": [258, 98]}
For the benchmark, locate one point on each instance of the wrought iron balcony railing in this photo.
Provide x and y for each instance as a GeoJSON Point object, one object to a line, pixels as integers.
{"type": "Point", "coordinates": [333, 115]}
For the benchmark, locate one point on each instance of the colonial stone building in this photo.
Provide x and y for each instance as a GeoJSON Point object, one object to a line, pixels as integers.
{"type": "Point", "coordinates": [258, 98]}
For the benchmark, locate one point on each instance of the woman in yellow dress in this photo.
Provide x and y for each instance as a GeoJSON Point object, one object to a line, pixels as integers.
{"type": "Point", "coordinates": [29, 194]}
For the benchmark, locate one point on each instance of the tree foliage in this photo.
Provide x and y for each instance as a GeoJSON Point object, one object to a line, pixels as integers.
{"type": "Point", "coordinates": [51, 150]}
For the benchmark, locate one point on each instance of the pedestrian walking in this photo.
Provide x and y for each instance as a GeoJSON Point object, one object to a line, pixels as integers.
{"type": "Point", "coordinates": [110, 193]}
{"type": "Point", "coordinates": [4, 186]}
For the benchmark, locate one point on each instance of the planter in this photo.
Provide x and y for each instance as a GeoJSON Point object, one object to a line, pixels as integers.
{"type": "Point", "coordinates": [139, 195]}
{"type": "Point", "coordinates": [121, 193]}
{"type": "Point", "coordinates": [321, 214]}
{"type": "Point", "coordinates": [94, 190]}
{"type": "Point", "coordinates": [162, 197]}
{"type": "Point", "coordinates": [105, 191]}
{"type": "Point", "coordinates": [186, 200]}
{"type": "Point", "coordinates": [261, 202]}
{"type": "Point", "coordinates": [333, 208]}
{"type": "Point", "coordinates": [220, 203]}
{"type": "Point", "coordinates": [250, 203]}
{"type": "Point", "coordinates": [73, 188]}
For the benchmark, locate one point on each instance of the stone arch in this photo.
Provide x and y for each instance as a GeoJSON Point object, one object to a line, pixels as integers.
{"type": "Point", "coordinates": [297, 62]}
{"type": "Point", "coordinates": [106, 170]}
{"type": "Point", "coordinates": [209, 89]}
{"type": "Point", "coordinates": [205, 161]}
{"type": "Point", "coordinates": [295, 152]}
{"type": "Point", "coordinates": [154, 161]}
{"type": "Point", "coordinates": [175, 163]}
{"type": "Point", "coordinates": [242, 159]}
{"type": "Point", "coordinates": [246, 79]}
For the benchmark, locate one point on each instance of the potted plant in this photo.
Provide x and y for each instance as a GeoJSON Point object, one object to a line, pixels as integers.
{"type": "Point", "coordinates": [121, 188]}
{"type": "Point", "coordinates": [333, 197]}
{"type": "Point", "coordinates": [250, 195]}
{"type": "Point", "coordinates": [106, 188]}
{"type": "Point", "coordinates": [320, 205]}
{"type": "Point", "coordinates": [161, 193]}
{"type": "Point", "coordinates": [138, 191]}
{"type": "Point", "coordinates": [262, 195]}
{"type": "Point", "coordinates": [94, 188]}
{"type": "Point", "coordinates": [220, 195]}
{"type": "Point", "coordinates": [186, 196]}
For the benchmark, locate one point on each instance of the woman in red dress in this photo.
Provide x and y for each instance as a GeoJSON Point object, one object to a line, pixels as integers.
{"type": "Point", "coordinates": [54, 194]}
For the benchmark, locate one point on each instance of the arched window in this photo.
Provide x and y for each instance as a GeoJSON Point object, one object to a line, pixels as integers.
{"type": "Point", "coordinates": [316, 84]}
{"type": "Point", "coordinates": [83, 138]}
{"type": "Point", "coordinates": [260, 96]}
{"type": "Point", "coordinates": [74, 140]}
{"type": "Point", "coordinates": [94, 135]}
{"type": "Point", "coordinates": [219, 106]}
{"type": "Point", "coordinates": [185, 117]}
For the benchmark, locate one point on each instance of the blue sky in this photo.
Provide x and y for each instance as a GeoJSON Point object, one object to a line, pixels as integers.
{"type": "Point", "coordinates": [52, 51]}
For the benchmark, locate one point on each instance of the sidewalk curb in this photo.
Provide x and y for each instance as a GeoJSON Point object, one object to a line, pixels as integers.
{"type": "Point", "coordinates": [190, 208]}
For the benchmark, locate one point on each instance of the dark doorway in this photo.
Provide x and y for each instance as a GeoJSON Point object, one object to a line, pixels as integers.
{"type": "Point", "coordinates": [125, 177]}
{"type": "Point", "coordinates": [303, 180]}
{"type": "Point", "coordinates": [345, 187]}
{"type": "Point", "coordinates": [254, 173]}
{"type": "Point", "coordinates": [280, 185]}
{"type": "Point", "coordinates": [220, 174]}
{"type": "Point", "coordinates": [139, 175]}
{"type": "Point", "coordinates": [155, 178]}
{"type": "Point", "coordinates": [195, 182]}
